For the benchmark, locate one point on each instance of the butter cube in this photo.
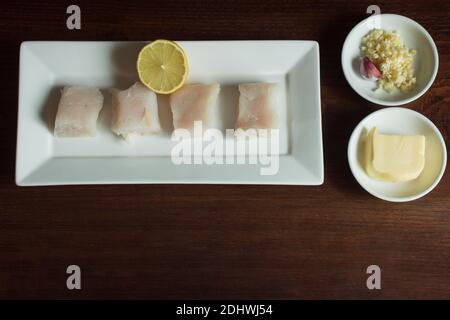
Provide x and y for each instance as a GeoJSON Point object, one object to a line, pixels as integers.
{"type": "Point", "coordinates": [394, 158]}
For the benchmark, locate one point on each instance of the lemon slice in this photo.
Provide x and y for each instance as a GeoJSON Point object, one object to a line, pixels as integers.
{"type": "Point", "coordinates": [162, 66]}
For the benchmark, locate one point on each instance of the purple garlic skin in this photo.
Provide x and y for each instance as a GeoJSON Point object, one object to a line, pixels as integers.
{"type": "Point", "coordinates": [368, 69]}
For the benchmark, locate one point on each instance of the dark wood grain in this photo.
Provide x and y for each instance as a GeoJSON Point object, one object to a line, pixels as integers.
{"type": "Point", "coordinates": [203, 241]}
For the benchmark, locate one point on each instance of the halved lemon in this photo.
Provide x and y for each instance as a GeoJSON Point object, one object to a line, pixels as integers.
{"type": "Point", "coordinates": [162, 66]}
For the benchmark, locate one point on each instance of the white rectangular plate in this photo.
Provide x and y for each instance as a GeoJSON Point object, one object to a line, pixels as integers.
{"type": "Point", "coordinates": [47, 66]}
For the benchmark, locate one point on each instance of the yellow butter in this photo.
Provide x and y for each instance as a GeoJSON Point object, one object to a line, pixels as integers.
{"type": "Point", "coordinates": [394, 158]}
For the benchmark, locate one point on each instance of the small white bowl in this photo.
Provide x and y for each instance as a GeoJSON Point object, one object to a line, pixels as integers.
{"type": "Point", "coordinates": [401, 121]}
{"type": "Point", "coordinates": [414, 36]}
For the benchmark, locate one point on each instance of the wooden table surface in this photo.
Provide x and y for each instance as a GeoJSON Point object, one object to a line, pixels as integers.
{"type": "Point", "coordinates": [224, 241]}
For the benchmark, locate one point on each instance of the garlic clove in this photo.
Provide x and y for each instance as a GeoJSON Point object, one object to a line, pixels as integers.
{"type": "Point", "coordinates": [368, 69]}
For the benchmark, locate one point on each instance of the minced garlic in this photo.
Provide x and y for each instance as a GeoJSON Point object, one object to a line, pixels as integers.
{"type": "Point", "coordinates": [390, 55]}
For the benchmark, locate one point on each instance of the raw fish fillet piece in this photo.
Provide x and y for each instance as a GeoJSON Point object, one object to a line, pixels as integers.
{"type": "Point", "coordinates": [193, 103]}
{"type": "Point", "coordinates": [257, 106]}
{"type": "Point", "coordinates": [135, 111]}
{"type": "Point", "coordinates": [78, 111]}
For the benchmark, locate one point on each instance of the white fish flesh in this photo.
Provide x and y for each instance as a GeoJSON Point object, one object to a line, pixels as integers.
{"type": "Point", "coordinates": [257, 106]}
{"type": "Point", "coordinates": [78, 111]}
{"type": "Point", "coordinates": [135, 111]}
{"type": "Point", "coordinates": [192, 103]}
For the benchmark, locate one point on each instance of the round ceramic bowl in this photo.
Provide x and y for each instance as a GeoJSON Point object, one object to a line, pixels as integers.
{"type": "Point", "coordinates": [414, 36]}
{"type": "Point", "coordinates": [401, 121]}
